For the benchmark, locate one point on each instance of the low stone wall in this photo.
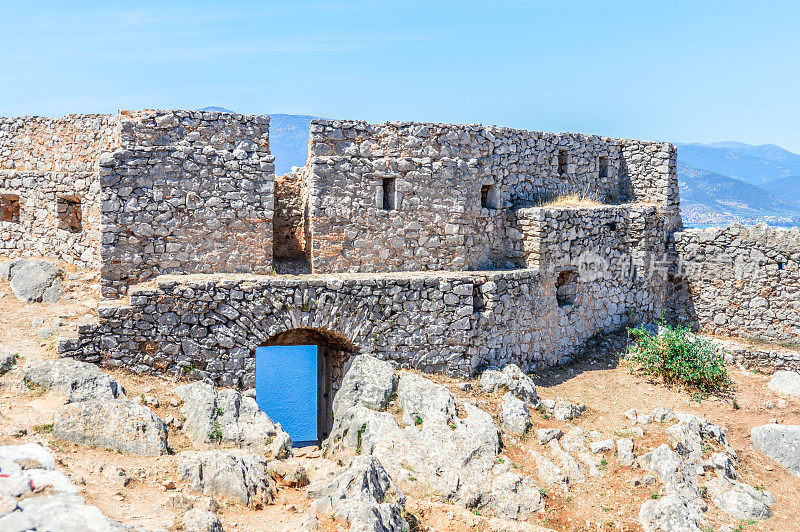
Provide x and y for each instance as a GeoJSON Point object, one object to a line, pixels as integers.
{"type": "Point", "coordinates": [740, 281]}
{"type": "Point", "coordinates": [209, 326]}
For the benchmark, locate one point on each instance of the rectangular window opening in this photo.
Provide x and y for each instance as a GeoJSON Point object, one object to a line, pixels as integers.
{"type": "Point", "coordinates": [70, 217]}
{"type": "Point", "coordinates": [566, 288]}
{"type": "Point", "coordinates": [490, 197]}
{"type": "Point", "coordinates": [389, 194]}
{"type": "Point", "coordinates": [781, 265]}
{"type": "Point", "coordinates": [603, 164]}
{"type": "Point", "coordinates": [562, 162]}
{"type": "Point", "coordinates": [9, 208]}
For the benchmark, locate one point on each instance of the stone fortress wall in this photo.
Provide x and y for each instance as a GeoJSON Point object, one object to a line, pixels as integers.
{"type": "Point", "coordinates": [407, 197]}
{"type": "Point", "coordinates": [427, 243]}
{"type": "Point", "coordinates": [187, 192]}
{"type": "Point", "coordinates": [741, 282]}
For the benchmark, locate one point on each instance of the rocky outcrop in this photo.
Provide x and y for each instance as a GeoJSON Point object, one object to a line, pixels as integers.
{"type": "Point", "coordinates": [76, 381]}
{"type": "Point", "coordinates": [515, 414]}
{"type": "Point", "coordinates": [740, 500]}
{"type": "Point", "coordinates": [33, 496]}
{"type": "Point", "coordinates": [448, 444]}
{"type": "Point", "coordinates": [231, 474]}
{"type": "Point", "coordinates": [512, 379]}
{"type": "Point", "coordinates": [7, 361]}
{"type": "Point", "coordinates": [785, 382]}
{"type": "Point", "coordinates": [118, 424]}
{"type": "Point", "coordinates": [224, 416]}
{"type": "Point", "coordinates": [779, 442]}
{"type": "Point", "coordinates": [34, 280]}
{"type": "Point", "coordinates": [196, 520]}
{"type": "Point", "coordinates": [364, 495]}
{"type": "Point", "coordinates": [369, 382]}
{"type": "Point", "coordinates": [561, 409]}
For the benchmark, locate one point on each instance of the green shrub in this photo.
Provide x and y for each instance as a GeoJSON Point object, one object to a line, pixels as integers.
{"type": "Point", "coordinates": [679, 356]}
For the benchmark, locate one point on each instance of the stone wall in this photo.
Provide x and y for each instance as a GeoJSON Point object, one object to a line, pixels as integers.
{"type": "Point", "coordinates": [409, 196]}
{"type": "Point", "coordinates": [184, 209]}
{"type": "Point", "coordinates": [440, 321]}
{"type": "Point", "coordinates": [290, 217]}
{"type": "Point", "coordinates": [72, 143]}
{"type": "Point", "coordinates": [740, 281]}
{"type": "Point", "coordinates": [45, 224]}
{"type": "Point", "coordinates": [49, 191]}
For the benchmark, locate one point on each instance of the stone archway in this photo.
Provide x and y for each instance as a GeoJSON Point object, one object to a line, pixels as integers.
{"type": "Point", "coordinates": [333, 352]}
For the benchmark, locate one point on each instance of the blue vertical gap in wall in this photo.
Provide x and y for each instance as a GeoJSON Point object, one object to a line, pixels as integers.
{"type": "Point", "coordinates": [286, 388]}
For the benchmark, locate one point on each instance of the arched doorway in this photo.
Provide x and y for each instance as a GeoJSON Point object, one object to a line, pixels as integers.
{"type": "Point", "coordinates": [297, 374]}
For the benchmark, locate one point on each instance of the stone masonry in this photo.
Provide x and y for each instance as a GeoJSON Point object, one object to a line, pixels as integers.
{"type": "Point", "coordinates": [433, 245]}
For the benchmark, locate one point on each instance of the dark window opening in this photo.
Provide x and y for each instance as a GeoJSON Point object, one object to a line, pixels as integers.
{"type": "Point", "coordinates": [9, 208]}
{"type": "Point", "coordinates": [478, 303]}
{"type": "Point", "coordinates": [603, 163]}
{"type": "Point", "coordinates": [612, 226]}
{"type": "Point", "coordinates": [562, 162]}
{"type": "Point", "coordinates": [69, 214]}
{"type": "Point", "coordinates": [489, 197]}
{"type": "Point", "coordinates": [566, 288]}
{"type": "Point", "coordinates": [781, 265]}
{"type": "Point", "coordinates": [389, 194]}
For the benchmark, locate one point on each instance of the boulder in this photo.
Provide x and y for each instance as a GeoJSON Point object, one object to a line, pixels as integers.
{"type": "Point", "coordinates": [513, 379]}
{"type": "Point", "coordinates": [63, 513]}
{"type": "Point", "coordinates": [422, 400]}
{"type": "Point", "coordinates": [75, 380]}
{"type": "Point", "coordinates": [369, 382]}
{"type": "Point", "coordinates": [27, 456]}
{"type": "Point", "coordinates": [545, 435]}
{"type": "Point", "coordinates": [36, 280]}
{"type": "Point", "coordinates": [363, 494]}
{"type": "Point", "coordinates": [779, 442]}
{"type": "Point", "coordinates": [601, 446]}
{"type": "Point", "coordinates": [514, 414]}
{"type": "Point", "coordinates": [740, 500]}
{"type": "Point", "coordinates": [562, 409]}
{"type": "Point", "coordinates": [7, 361]}
{"type": "Point", "coordinates": [231, 474]}
{"type": "Point", "coordinates": [625, 451]}
{"type": "Point", "coordinates": [288, 473]}
{"type": "Point", "coordinates": [515, 496]}
{"type": "Point", "coordinates": [118, 424]}
{"type": "Point", "coordinates": [196, 520]}
{"type": "Point", "coordinates": [669, 514]}
{"type": "Point", "coordinates": [785, 382]}
{"type": "Point", "coordinates": [226, 417]}
{"type": "Point", "coordinates": [306, 523]}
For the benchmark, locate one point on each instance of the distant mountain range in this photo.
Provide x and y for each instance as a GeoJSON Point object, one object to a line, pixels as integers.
{"type": "Point", "coordinates": [720, 182]}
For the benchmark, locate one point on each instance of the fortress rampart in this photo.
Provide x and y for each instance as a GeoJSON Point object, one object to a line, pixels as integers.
{"type": "Point", "coordinates": [434, 245]}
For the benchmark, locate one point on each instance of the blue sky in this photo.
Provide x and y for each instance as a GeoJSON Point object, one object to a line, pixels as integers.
{"type": "Point", "coordinates": [673, 70]}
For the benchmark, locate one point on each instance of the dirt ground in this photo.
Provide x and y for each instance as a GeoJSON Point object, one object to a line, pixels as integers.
{"type": "Point", "coordinates": [608, 388]}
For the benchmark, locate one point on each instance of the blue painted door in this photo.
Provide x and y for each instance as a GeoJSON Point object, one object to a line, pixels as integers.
{"type": "Point", "coordinates": [286, 388]}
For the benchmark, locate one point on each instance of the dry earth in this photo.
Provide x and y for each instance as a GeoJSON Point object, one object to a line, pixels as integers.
{"type": "Point", "coordinates": [608, 502]}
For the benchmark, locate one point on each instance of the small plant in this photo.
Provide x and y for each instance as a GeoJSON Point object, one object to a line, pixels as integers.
{"type": "Point", "coordinates": [655, 496]}
{"type": "Point", "coordinates": [498, 460]}
{"type": "Point", "coordinates": [417, 420]}
{"type": "Point", "coordinates": [736, 404]}
{"type": "Point", "coordinates": [216, 433]}
{"type": "Point", "coordinates": [603, 463]}
{"type": "Point", "coordinates": [759, 487]}
{"type": "Point", "coordinates": [543, 493]}
{"type": "Point", "coordinates": [680, 357]}
{"type": "Point", "coordinates": [43, 429]}
{"type": "Point", "coordinates": [703, 491]}
{"type": "Point", "coordinates": [361, 432]}
{"type": "Point", "coordinates": [218, 410]}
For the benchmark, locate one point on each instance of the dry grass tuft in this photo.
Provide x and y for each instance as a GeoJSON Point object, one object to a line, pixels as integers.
{"type": "Point", "coordinates": [571, 200]}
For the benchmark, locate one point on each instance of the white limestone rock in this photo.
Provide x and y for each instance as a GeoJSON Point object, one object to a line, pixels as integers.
{"type": "Point", "coordinates": [515, 414]}
{"type": "Point", "coordinates": [232, 474]}
{"type": "Point", "coordinates": [785, 382]}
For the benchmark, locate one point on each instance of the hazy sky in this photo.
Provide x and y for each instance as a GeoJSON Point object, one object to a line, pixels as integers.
{"type": "Point", "coordinates": [673, 70]}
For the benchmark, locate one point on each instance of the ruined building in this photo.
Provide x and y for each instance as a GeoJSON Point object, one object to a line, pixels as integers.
{"type": "Point", "coordinates": [429, 244]}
